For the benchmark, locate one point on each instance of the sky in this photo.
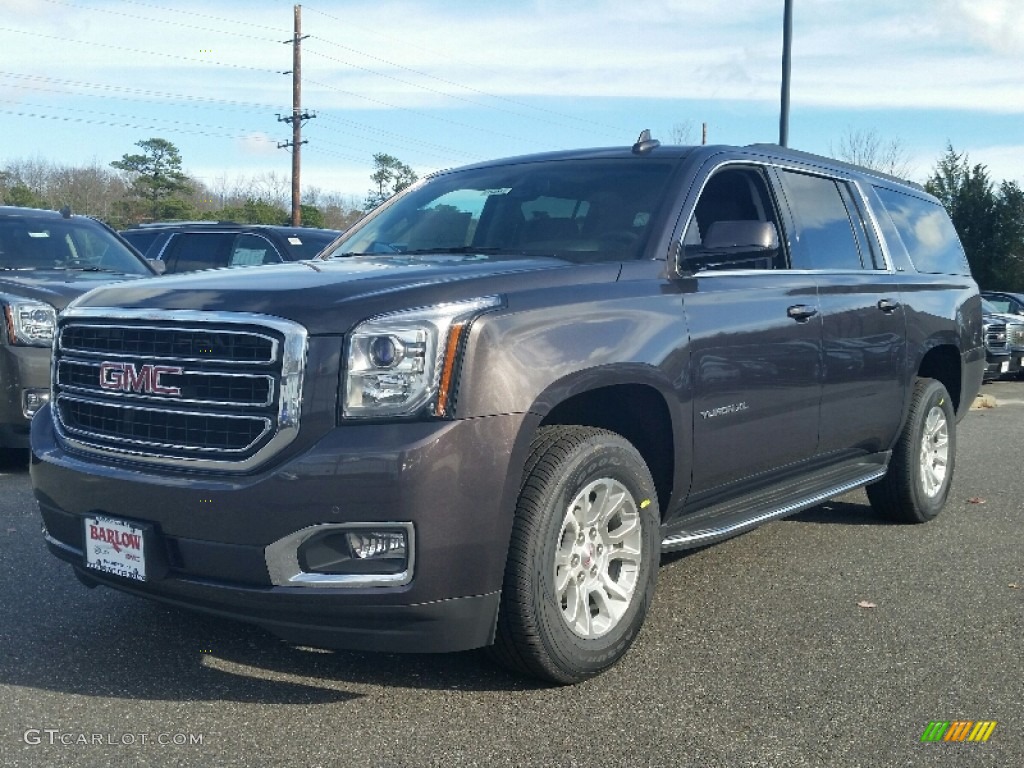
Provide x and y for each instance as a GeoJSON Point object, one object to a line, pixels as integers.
{"type": "Point", "coordinates": [443, 83]}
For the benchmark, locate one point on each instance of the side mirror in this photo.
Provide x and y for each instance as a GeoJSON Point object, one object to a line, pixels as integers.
{"type": "Point", "coordinates": [158, 265]}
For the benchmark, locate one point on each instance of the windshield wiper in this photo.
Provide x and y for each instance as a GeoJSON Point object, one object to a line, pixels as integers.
{"type": "Point", "coordinates": [461, 249]}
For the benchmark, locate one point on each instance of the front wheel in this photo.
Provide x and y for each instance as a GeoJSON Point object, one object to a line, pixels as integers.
{"type": "Point", "coordinates": [583, 558]}
{"type": "Point", "coordinates": [915, 488]}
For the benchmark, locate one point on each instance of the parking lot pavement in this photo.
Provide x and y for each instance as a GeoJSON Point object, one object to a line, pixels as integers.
{"type": "Point", "coordinates": [832, 638]}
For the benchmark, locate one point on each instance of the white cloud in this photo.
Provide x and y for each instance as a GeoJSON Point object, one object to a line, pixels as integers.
{"type": "Point", "coordinates": [258, 144]}
{"type": "Point", "coordinates": [996, 24]}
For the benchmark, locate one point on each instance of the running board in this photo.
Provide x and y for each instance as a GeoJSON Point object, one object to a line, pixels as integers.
{"type": "Point", "coordinates": [736, 516]}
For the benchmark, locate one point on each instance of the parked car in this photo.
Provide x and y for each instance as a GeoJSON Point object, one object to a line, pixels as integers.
{"type": "Point", "coordinates": [46, 260]}
{"type": "Point", "coordinates": [997, 353]}
{"type": "Point", "coordinates": [485, 412]}
{"type": "Point", "coordinates": [1005, 302]}
{"type": "Point", "coordinates": [1004, 340]}
{"type": "Point", "coordinates": [194, 245]}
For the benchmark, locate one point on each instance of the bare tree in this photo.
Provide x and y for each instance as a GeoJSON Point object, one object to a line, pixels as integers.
{"type": "Point", "coordinates": [867, 148]}
{"type": "Point", "coordinates": [683, 133]}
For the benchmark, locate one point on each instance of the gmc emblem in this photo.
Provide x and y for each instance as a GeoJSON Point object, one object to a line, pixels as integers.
{"type": "Point", "coordinates": [125, 377]}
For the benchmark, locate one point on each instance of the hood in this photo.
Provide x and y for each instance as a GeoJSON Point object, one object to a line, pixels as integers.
{"type": "Point", "coordinates": [331, 296]}
{"type": "Point", "coordinates": [56, 287]}
{"type": "Point", "coordinates": [1000, 317]}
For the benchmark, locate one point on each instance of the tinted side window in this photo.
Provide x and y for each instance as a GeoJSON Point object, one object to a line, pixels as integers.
{"type": "Point", "coordinates": [141, 239]}
{"type": "Point", "coordinates": [734, 200]}
{"type": "Point", "coordinates": [825, 234]}
{"type": "Point", "coordinates": [926, 231]}
{"type": "Point", "coordinates": [252, 250]}
{"type": "Point", "coordinates": [190, 251]}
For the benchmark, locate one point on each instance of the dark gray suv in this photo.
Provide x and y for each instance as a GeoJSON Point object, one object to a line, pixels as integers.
{"type": "Point", "coordinates": [46, 259]}
{"type": "Point", "coordinates": [483, 415]}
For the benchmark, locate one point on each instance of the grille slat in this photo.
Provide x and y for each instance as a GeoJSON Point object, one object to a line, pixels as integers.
{"type": "Point", "coordinates": [995, 337]}
{"type": "Point", "coordinates": [220, 390]}
{"type": "Point", "coordinates": [169, 343]}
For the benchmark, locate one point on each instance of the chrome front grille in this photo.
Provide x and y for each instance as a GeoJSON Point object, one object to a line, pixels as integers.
{"type": "Point", "coordinates": [195, 389]}
{"type": "Point", "coordinates": [995, 337]}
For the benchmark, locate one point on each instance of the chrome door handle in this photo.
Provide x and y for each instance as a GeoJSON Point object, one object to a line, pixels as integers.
{"type": "Point", "coordinates": [801, 312]}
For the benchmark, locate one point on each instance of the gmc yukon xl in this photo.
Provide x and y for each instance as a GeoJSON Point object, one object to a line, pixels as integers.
{"type": "Point", "coordinates": [480, 417]}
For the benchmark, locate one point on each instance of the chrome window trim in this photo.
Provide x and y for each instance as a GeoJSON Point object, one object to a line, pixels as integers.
{"type": "Point", "coordinates": [889, 269]}
{"type": "Point", "coordinates": [289, 406]}
{"type": "Point", "coordinates": [283, 560]}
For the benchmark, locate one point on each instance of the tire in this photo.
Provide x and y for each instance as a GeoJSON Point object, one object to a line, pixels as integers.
{"type": "Point", "coordinates": [915, 488]}
{"type": "Point", "coordinates": [583, 557]}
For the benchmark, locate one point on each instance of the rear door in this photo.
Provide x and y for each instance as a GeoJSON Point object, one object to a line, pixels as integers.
{"type": "Point", "coordinates": [865, 375]}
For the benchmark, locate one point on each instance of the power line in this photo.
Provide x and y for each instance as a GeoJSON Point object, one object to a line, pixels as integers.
{"type": "Point", "coordinates": [179, 57]}
{"type": "Point", "coordinates": [447, 54]}
{"type": "Point", "coordinates": [165, 96]}
{"type": "Point", "coordinates": [412, 111]}
{"type": "Point", "coordinates": [149, 19]}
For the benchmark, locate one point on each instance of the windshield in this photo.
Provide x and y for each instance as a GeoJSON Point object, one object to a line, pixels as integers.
{"type": "Point", "coordinates": [580, 210]}
{"type": "Point", "coordinates": [81, 244]}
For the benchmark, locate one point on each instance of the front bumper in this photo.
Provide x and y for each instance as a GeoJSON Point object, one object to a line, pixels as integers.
{"type": "Point", "coordinates": [450, 480]}
{"type": "Point", "coordinates": [997, 366]}
{"type": "Point", "coordinates": [21, 368]}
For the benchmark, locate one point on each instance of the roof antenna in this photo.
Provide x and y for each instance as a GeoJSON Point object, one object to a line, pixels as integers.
{"type": "Point", "coordinates": [645, 143]}
{"type": "Point", "coordinates": [66, 211]}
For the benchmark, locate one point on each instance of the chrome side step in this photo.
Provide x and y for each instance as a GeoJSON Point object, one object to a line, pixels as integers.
{"type": "Point", "coordinates": [731, 525]}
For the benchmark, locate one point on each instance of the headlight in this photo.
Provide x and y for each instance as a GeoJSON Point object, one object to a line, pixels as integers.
{"type": "Point", "coordinates": [398, 363]}
{"type": "Point", "coordinates": [29, 323]}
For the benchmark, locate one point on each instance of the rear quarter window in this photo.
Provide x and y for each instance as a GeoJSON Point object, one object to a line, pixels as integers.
{"type": "Point", "coordinates": [926, 232]}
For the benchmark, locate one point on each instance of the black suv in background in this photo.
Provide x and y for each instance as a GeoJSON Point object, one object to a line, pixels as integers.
{"type": "Point", "coordinates": [485, 412]}
{"type": "Point", "coordinates": [190, 246]}
{"type": "Point", "coordinates": [46, 260]}
{"type": "Point", "coordinates": [1006, 302]}
{"type": "Point", "coordinates": [1004, 339]}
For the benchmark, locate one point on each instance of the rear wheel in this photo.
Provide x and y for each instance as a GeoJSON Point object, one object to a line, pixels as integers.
{"type": "Point", "coordinates": [915, 488]}
{"type": "Point", "coordinates": [583, 556]}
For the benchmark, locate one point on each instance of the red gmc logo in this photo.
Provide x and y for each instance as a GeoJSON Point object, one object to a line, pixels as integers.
{"type": "Point", "coordinates": [125, 377]}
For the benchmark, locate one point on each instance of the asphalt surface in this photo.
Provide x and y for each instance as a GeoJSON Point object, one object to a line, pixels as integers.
{"type": "Point", "coordinates": [757, 653]}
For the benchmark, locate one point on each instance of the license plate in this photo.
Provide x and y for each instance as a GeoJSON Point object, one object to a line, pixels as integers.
{"type": "Point", "coordinates": [115, 546]}
{"type": "Point", "coordinates": [1004, 367]}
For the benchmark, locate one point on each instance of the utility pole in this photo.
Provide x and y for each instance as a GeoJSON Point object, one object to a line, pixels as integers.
{"type": "Point", "coordinates": [787, 47]}
{"type": "Point", "coordinates": [296, 118]}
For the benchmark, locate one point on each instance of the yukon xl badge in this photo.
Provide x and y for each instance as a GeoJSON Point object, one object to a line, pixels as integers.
{"type": "Point", "coordinates": [724, 409]}
{"type": "Point", "coordinates": [125, 377]}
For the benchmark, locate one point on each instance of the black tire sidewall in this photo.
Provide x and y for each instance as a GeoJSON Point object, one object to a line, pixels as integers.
{"type": "Point", "coordinates": [601, 457]}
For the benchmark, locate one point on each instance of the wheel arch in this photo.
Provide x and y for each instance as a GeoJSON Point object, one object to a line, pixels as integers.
{"type": "Point", "coordinates": [633, 401]}
{"type": "Point", "coordinates": [942, 362]}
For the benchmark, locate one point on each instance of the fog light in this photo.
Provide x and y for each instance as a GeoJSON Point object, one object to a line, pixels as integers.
{"type": "Point", "coordinates": [32, 400]}
{"type": "Point", "coordinates": [352, 555]}
{"type": "Point", "coordinates": [361, 552]}
{"type": "Point", "coordinates": [376, 544]}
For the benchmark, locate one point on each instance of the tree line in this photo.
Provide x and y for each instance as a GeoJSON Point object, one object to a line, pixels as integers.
{"type": "Point", "coordinates": [150, 185]}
